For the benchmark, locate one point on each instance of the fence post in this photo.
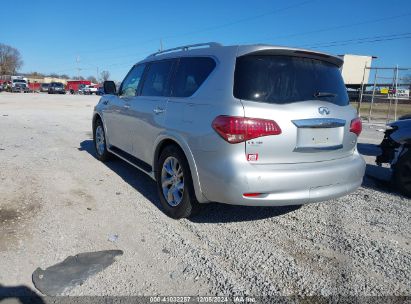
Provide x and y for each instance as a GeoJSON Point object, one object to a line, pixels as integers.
{"type": "Point", "coordinates": [373, 94]}
{"type": "Point", "coordinates": [396, 93]}
{"type": "Point", "coordinates": [362, 92]}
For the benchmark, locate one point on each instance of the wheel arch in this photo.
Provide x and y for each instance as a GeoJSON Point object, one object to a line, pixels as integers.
{"type": "Point", "coordinates": [165, 141]}
{"type": "Point", "coordinates": [96, 116]}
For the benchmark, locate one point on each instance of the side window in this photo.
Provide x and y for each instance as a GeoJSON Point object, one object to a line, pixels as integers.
{"type": "Point", "coordinates": [157, 78]}
{"type": "Point", "coordinates": [191, 73]}
{"type": "Point", "coordinates": [130, 83]}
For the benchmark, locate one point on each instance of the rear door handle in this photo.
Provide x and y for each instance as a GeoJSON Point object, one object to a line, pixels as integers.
{"type": "Point", "coordinates": [126, 106]}
{"type": "Point", "coordinates": [158, 110]}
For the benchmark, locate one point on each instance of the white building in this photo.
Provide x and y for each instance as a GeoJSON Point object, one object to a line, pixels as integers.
{"type": "Point", "coordinates": [353, 68]}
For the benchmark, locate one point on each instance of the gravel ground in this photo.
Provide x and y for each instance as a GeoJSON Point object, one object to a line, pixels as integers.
{"type": "Point", "coordinates": [57, 200]}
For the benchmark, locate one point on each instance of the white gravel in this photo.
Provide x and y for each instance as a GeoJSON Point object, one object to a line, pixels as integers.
{"type": "Point", "coordinates": [57, 200]}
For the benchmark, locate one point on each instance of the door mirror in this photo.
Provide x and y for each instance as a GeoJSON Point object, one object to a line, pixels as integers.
{"type": "Point", "coordinates": [109, 87]}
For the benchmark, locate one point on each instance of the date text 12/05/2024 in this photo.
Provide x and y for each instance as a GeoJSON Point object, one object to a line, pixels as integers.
{"type": "Point", "coordinates": [201, 299]}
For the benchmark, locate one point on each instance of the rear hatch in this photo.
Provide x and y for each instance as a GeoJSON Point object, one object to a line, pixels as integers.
{"type": "Point", "coordinates": [306, 97]}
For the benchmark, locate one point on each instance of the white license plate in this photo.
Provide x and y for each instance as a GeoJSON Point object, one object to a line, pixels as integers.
{"type": "Point", "coordinates": [319, 137]}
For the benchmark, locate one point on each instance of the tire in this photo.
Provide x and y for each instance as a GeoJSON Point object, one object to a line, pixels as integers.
{"type": "Point", "coordinates": [402, 174]}
{"type": "Point", "coordinates": [173, 167]}
{"type": "Point", "coordinates": [99, 140]}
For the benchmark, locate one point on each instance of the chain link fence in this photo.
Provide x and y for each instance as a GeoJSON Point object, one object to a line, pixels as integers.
{"type": "Point", "coordinates": [387, 98]}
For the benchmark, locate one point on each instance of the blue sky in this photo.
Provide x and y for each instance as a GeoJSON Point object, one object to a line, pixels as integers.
{"type": "Point", "coordinates": [113, 35]}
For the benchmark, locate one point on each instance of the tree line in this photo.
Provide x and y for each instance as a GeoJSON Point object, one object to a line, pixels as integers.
{"type": "Point", "coordinates": [11, 61]}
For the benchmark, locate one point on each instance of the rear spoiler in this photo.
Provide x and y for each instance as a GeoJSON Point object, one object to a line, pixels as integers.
{"type": "Point", "coordinates": [272, 50]}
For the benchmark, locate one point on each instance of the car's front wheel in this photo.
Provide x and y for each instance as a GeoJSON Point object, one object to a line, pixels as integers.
{"type": "Point", "coordinates": [175, 185]}
{"type": "Point", "coordinates": [100, 143]}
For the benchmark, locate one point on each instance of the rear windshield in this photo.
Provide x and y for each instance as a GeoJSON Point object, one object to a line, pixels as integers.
{"type": "Point", "coordinates": [287, 79]}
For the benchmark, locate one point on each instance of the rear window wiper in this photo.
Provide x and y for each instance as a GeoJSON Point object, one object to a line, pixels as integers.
{"type": "Point", "coordinates": [325, 94]}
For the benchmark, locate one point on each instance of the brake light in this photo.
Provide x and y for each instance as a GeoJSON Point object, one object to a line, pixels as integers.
{"type": "Point", "coordinates": [236, 129]}
{"type": "Point", "coordinates": [251, 194]}
{"type": "Point", "coordinates": [356, 126]}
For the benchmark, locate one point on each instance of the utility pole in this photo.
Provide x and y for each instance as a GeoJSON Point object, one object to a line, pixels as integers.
{"type": "Point", "coordinates": [396, 93]}
{"type": "Point", "coordinates": [161, 45]}
{"type": "Point", "coordinates": [78, 67]}
{"type": "Point", "coordinates": [373, 95]}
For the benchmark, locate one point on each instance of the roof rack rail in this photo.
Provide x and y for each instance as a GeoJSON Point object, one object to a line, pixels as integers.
{"type": "Point", "coordinates": [186, 48]}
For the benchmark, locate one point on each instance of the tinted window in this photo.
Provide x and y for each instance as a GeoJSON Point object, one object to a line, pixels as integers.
{"type": "Point", "coordinates": [130, 83]}
{"type": "Point", "coordinates": [157, 79]}
{"type": "Point", "coordinates": [286, 79]}
{"type": "Point", "coordinates": [191, 73]}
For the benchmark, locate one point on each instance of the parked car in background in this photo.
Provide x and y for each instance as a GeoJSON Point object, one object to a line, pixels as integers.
{"type": "Point", "coordinates": [100, 91]}
{"type": "Point", "coordinates": [6, 86]}
{"type": "Point", "coordinates": [56, 88]}
{"type": "Point", "coordinates": [81, 88]}
{"type": "Point", "coordinates": [247, 125]}
{"type": "Point", "coordinates": [44, 87]}
{"type": "Point", "coordinates": [353, 95]}
{"type": "Point", "coordinates": [89, 89]}
{"type": "Point", "coordinates": [19, 84]}
{"type": "Point", "coordinates": [396, 151]}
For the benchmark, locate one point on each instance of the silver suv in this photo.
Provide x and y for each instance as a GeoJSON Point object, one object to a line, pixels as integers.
{"type": "Point", "coordinates": [255, 125]}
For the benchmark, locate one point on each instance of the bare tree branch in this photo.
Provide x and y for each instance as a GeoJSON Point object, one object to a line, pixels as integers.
{"type": "Point", "coordinates": [105, 75]}
{"type": "Point", "coordinates": [10, 60]}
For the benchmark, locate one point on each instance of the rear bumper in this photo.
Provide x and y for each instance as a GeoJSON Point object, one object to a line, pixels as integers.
{"type": "Point", "coordinates": [226, 180]}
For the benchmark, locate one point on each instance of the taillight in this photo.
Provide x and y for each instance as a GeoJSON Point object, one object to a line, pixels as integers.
{"type": "Point", "coordinates": [238, 129]}
{"type": "Point", "coordinates": [356, 126]}
{"type": "Point", "coordinates": [252, 194]}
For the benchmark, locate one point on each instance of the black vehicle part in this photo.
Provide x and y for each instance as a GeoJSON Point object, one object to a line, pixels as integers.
{"type": "Point", "coordinates": [402, 173]}
{"type": "Point", "coordinates": [388, 146]}
{"type": "Point", "coordinates": [402, 131]}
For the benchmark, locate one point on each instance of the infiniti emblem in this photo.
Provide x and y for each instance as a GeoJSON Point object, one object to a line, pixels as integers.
{"type": "Point", "coordinates": [323, 110]}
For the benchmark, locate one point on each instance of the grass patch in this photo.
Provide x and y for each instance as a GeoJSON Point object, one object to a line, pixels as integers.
{"type": "Point", "coordinates": [380, 110]}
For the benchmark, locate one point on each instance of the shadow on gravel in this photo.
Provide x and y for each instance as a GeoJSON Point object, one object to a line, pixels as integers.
{"type": "Point", "coordinates": [210, 213]}
{"type": "Point", "coordinates": [19, 294]}
{"type": "Point", "coordinates": [222, 213]}
{"type": "Point", "coordinates": [73, 271]}
{"type": "Point", "coordinates": [131, 175]}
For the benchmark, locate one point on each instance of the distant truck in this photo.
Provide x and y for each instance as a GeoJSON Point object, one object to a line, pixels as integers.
{"type": "Point", "coordinates": [18, 84]}
{"type": "Point", "coordinates": [75, 86]}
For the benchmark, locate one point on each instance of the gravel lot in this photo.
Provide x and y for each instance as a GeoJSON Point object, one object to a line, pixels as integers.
{"type": "Point", "coordinates": [57, 200]}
